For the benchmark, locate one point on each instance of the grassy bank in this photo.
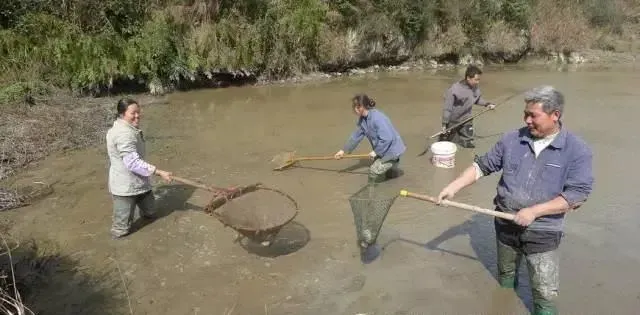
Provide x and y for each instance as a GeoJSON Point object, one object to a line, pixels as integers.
{"type": "Point", "coordinates": [96, 45]}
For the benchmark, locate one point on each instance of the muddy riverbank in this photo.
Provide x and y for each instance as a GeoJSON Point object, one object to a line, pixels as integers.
{"type": "Point", "coordinates": [435, 260]}
{"type": "Point", "coordinates": [553, 60]}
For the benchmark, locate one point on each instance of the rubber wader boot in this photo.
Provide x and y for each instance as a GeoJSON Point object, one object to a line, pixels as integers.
{"type": "Point", "coordinates": [509, 282]}
{"type": "Point", "coordinates": [375, 179]}
{"type": "Point", "coordinates": [469, 144]}
{"type": "Point", "coordinates": [542, 305]}
{"type": "Point", "coordinates": [508, 262]}
{"type": "Point", "coordinates": [466, 135]}
{"type": "Point", "coordinates": [543, 273]}
{"type": "Point", "coordinates": [378, 178]}
{"type": "Point", "coordinates": [545, 310]}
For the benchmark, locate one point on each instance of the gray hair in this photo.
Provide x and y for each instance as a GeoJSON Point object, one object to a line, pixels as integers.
{"type": "Point", "coordinates": [550, 98]}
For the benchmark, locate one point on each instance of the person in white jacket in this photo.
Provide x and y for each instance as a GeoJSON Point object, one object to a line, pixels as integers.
{"type": "Point", "coordinates": [129, 174]}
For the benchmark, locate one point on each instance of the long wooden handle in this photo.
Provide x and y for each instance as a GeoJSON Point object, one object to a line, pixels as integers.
{"type": "Point", "coordinates": [460, 123]}
{"type": "Point", "coordinates": [507, 216]}
{"type": "Point", "coordinates": [196, 184]}
{"type": "Point", "coordinates": [318, 158]}
{"type": "Point", "coordinates": [476, 115]}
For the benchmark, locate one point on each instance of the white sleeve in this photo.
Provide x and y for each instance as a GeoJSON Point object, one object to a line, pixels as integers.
{"type": "Point", "coordinates": [479, 172]}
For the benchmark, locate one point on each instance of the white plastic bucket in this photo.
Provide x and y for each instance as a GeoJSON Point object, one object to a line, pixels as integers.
{"type": "Point", "coordinates": [444, 154]}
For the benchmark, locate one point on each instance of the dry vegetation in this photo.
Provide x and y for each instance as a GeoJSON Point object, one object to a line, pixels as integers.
{"type": "Point", "coordinates": [38, 120]}
{"type": "Point", "coordinates": [31, 132]}
{"type": "Point", "coordinates": [505, 41]}
{"type": "Point", "coordinates": [11, 198]}
{"type": "Point", "coordinates": [559, 27]}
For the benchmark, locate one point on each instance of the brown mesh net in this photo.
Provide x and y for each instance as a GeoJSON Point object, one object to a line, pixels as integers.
{"type": "Point", "coordinates": [255, 211]}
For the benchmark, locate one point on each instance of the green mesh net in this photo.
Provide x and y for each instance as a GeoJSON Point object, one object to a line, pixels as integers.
{"type": "Point", "coordinates": [370, 206]}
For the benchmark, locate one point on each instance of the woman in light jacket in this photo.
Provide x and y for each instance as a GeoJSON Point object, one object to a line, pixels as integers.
{"type": "Point", "coordinates": [129, 173]}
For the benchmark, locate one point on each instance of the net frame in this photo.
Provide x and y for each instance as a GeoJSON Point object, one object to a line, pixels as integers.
{"type": "Point", "coordinates": [263, 234]}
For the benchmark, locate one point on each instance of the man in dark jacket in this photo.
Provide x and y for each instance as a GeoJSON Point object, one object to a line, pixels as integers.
{"type": "Point", "coordinates": [458, 102]}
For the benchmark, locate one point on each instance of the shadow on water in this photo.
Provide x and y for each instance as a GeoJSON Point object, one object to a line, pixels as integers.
{"type": "Point", "coordinates": [52, 283]}
{"type": "Point", "coordinates": [291, 238]}
{"type": "Point", "coordinates": [169, 198]}
{"type": "Point", "coordinates": [480, 230]}
{"type": "Point", "coordinates": [370, 254]}
{"type": "Point", "coordinates": [495, 135]}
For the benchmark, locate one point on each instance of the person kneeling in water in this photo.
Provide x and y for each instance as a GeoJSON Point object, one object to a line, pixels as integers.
{"type": "Point", "coordinates": [385, 140]}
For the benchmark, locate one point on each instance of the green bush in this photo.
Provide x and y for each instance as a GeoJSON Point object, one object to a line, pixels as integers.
{"type": "Point", "coordinates": [89, 44]}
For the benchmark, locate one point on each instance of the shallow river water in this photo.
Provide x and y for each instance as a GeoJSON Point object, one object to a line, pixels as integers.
{"type": "Point", "coordinates": [434, 260]}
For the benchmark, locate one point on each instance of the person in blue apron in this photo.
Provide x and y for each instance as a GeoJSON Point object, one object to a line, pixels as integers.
{"type": "Point", "coordinates": [385, 140]}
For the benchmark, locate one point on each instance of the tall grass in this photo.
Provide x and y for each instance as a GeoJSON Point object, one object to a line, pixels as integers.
{"type": "Point", "coordinates": [89, 45]}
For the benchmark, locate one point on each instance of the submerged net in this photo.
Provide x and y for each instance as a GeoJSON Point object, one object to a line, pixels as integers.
{"type": "Point", "coordinates": [283, 158]}
{"type": "Point", "coordinates": [370, 206]}
{"type": "Point", "coordinates": [255, 211]}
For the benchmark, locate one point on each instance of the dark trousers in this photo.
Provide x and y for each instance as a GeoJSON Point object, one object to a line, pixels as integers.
{"type": "Point", "coordinates": [462, 135]}
{"type": "Point", "coordinates": [124, 210]}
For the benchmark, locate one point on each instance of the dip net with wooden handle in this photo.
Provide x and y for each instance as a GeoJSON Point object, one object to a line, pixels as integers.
{"type": "Point", "coordinates": [255, 211]}
{"type": "Point", "coordinates": [370, 206]}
